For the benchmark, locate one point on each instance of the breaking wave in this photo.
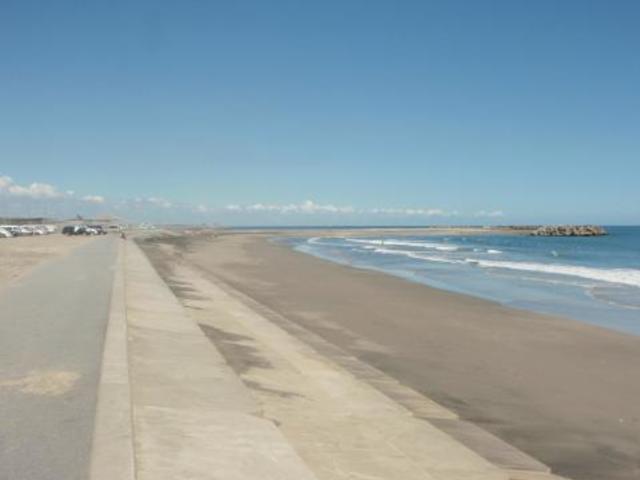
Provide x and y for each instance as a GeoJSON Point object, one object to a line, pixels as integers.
{"type": "Point", "coordinates": [452, 255]}
{"type": "Point", "coordinates": [405, 243]}
{"type": "Point", "coordinates": [623, 276]}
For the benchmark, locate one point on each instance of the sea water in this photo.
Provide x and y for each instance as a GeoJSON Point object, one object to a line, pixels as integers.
{"type": "Point", "coordinates": [591, 279]}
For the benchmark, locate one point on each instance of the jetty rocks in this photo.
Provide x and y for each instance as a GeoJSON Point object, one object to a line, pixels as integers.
{"type": "Point", "coordinates": [569, 231]}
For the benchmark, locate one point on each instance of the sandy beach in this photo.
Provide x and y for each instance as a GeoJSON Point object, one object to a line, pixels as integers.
{"type": "Point", "coordinates": [562, 391]}
{"type": "Point", "coordinates": [20, 255]}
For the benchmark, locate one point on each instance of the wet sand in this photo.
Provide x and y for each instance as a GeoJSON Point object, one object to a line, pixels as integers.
{"type": "Point", "coordinates": [565, 392]}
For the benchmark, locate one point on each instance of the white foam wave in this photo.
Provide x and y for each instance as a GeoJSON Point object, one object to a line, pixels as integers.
{"type": "Point", "coordinates": [434, 259]}
{"type": "Point", "coordinates": [387, 251]}
{"type": "Point", "coordinates": [621, 276]}
{"type": "Point", "coordinates": [624, 276]}
{"type": "Point", "coordinates": [416, 255]}
{"type": "Point", "coordinates": [405, 243]}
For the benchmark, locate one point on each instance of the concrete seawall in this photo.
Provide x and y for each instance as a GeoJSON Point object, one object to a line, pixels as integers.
{"type": "Point", "coordinates": [177, 399]}
{"type": "Point", "coordinates": [172, 408]}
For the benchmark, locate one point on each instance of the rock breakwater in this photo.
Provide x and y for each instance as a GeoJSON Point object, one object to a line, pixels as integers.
{"type": "Point", "coordinates": [569, 231]}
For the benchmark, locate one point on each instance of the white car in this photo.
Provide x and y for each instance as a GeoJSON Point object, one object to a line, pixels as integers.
{"type": "Point", "coordinates": [12, 229]}
{"type": "Point", "coordinates": [5, 233]}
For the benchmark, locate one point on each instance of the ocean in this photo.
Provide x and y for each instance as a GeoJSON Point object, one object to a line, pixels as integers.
{"type": "Point", "coordinates": [590, 279]}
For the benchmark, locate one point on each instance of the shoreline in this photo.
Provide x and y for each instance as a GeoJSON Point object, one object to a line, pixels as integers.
{"type": "Point", "coordinates": [573, 299]}
{"type": "Point", "coordinates": [555, 388]}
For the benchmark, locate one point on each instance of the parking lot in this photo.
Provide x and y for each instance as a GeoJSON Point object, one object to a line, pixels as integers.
{"type": "Point", "coordinates": [30, 230]}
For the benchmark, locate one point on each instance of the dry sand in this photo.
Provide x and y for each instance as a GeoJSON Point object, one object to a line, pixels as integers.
{"type": "Point", "coordinates": [565, 392]}
{"type": "Point", "coordinates": [20, 255]}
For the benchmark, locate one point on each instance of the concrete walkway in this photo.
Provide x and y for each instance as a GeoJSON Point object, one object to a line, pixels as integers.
{"type": "Point", "coordinates": [51, 338]}
{"type": "Point", "coordinates": [211, 388]}
{"type": "Point", "coordinates": [192, 417]}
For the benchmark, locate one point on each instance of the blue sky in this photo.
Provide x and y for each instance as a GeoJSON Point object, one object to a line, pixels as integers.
{"type": "Point", "coordinates": [341, 112]}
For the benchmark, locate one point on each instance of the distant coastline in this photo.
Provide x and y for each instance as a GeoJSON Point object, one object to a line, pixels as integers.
{"type": "Point", "coordinates": [358, 230]}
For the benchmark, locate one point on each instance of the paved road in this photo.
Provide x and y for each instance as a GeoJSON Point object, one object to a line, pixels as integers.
{"type": "Point", "coordinates": [52, 325]}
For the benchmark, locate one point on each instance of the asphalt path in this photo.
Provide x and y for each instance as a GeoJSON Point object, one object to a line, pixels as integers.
{"type": "Point", "coordinates": [52, 327]}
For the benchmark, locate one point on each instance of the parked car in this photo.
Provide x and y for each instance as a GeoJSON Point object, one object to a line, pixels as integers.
{"type": "Point", "coordinates": [75, 230]}
{"type": "Point", "coordinates": [99, 229]}
{"type": "Point", "coordinates": [4, 233]}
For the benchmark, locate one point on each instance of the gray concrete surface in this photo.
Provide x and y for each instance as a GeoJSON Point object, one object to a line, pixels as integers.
{"type": "Point", "coordinates": [52, 326]}
{"type": "Point", "coordinates": [193, 418]}
{"type": "Point", "coordinates": [112, 455]}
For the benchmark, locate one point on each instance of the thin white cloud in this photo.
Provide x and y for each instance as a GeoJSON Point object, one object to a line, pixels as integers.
{"type": "Point", "coordinates": [489, 213]}
{"type": "Point", "coordinates": [159, 202]}
{"type": "Point", "coordinates": [310, 207]}
{"type": "Point", "coordinates": [37, 191]}
{"type": "Point", "coordinates": [141, 202]}
{"type": "Point", "coordinates": [34, 190]}
{"type": "Point", "coordinates": [307, 207]}
{"type": "Point", "coordinates": [97, 199]}
{"type": "Point", "coordinates": [414, 212]}
{"type": "Point", "coordinates": [5, 182]}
